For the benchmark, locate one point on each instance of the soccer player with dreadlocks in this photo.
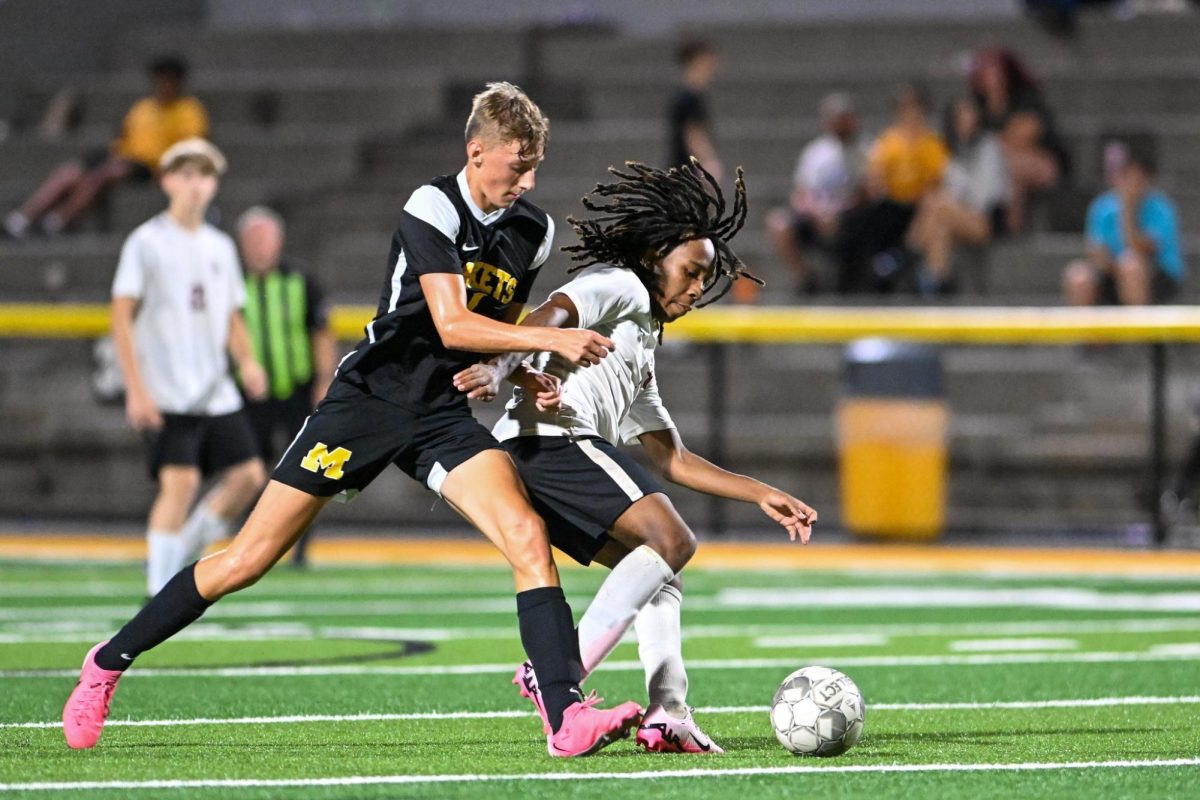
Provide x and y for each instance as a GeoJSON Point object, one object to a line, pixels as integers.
{"type": "Point", "coordinates": [658, 243]}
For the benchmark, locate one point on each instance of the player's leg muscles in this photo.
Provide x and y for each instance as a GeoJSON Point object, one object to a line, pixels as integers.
{"type": "Point", "coordinates": [167, 551]}
{"type": "Point", "coordinates": [278, 519]}
{"type": "Point", "coordinates": [654, 522]}
{"type": "Point", "coordinates": [611, 553]}
{"type": "Point", "coordinates": [238, 487]}
{"type": "Point", "coordinates": [177, 488]}
{"type": "Point", "coordinates": [659, 543]}
{"type": "Point", "coordinates": [488, 492]}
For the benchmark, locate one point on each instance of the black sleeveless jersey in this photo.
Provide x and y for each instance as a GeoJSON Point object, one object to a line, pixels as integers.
{"type": "Point", "coordinates": [402, 359]}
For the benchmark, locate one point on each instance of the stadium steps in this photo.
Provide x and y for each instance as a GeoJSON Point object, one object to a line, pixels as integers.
{"type": "Point", "coordinates": [362, 118]}
{"type": "Point", "coordinates": [800, 49]}
{"type": "Point", "coordinates": [1029, 425]}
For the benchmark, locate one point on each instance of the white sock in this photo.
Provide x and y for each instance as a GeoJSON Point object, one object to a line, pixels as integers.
{"type": "Point", "coordinates": [202, 528]}
{"type": "Point", "coordinates": [660, 647]}
{"type": "Point", "coordinates": [636, 579]}
{"type": "Point", "coordinates": [164, 558]}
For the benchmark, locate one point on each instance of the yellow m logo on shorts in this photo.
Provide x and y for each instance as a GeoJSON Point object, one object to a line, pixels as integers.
{"type": "Point", "coordinates": [321, 458]}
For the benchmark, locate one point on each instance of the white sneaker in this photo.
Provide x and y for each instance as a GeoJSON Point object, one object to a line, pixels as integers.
{"type": "Point", "coordinates": [662, 733]}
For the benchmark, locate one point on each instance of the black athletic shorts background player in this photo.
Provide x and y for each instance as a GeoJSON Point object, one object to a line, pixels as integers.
{"type": "Point", "coordinates": [393, 400]}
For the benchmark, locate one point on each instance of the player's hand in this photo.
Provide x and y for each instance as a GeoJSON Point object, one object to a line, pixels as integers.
{"type": "Point", "coordinates": [254, 379]}
{"type": "Point", "coordinates": [796, 517]}
{"type": "Point", "coordinates": [141, 412]}
{"type": "Point", "coordinates": [581, 346]}
{"type": "Point", "coordinates": [546, 389]}
{"type": "Point", "coordinates": [479, 381]}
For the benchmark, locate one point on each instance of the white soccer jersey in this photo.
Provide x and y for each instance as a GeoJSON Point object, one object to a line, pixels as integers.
{"type": "Point", "coordinates": [188, 283]}
{"type": "Point", "coordinates": [616, 399]}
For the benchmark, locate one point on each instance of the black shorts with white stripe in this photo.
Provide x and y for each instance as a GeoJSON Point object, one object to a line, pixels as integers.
{"type": "Point", "coordinates": [580, 485]}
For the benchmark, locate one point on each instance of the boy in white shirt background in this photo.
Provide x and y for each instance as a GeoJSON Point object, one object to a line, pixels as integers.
{"type": "Point", "coordinates": [658, 244]}
{"type": "Point", "coordinates": [176, 316]}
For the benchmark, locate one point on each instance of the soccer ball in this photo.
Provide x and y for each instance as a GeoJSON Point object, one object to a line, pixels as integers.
{"type": "Point", "coordinates": [817, 711]}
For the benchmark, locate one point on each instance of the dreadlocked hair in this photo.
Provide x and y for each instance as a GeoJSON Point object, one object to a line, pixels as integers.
{"type": "Point", "coordinates": [652, 211]}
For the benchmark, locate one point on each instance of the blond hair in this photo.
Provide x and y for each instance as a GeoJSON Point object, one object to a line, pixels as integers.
{"type": "Point", "coordinates": [195, 150]}
{"type": "Point", "coordinates": [503, 113]}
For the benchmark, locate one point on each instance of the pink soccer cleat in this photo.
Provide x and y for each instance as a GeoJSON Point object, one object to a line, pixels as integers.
{"type": "Point", "coordinates": [586, 729]}
{"type": "Point", "coordinates": [526, 681]}
{"type": "Point", "coordinates": [87, 707]}
{"type": "Point", "coordinates": [662, 733]}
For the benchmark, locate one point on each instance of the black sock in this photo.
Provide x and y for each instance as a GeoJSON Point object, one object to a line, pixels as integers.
{"type": "Point", "coordinates": [548, 634]}
{"type": "Point", "coordinates": [178, 605]}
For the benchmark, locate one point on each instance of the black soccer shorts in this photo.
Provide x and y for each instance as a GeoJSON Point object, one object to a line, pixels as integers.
{"type": "Point", "coordinates": [353, 435]}
{"type": "Point", "coordinates": [579, 486]}
{"type": "Point", "coordinates": [210, 443]}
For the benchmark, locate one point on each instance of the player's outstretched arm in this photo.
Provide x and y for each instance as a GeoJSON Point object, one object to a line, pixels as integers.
{"type": "Point", "coordinates": [482, 381]}
{"type": "Point", "coordinates": [679, 465]}
{"type": "Point", "coordinates": [462, 329]}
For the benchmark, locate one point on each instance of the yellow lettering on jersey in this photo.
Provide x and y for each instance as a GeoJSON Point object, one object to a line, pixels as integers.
{"type": "Point", "coordinates": [322, 458]}
{"type": "Point", "coordinates": [489, 280]}
{"type": "Point", "coordinates": [473, 301]}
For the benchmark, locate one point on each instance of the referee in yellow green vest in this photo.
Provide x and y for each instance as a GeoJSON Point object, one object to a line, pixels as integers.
{"type": "Point", "coordinates": [289, 328]}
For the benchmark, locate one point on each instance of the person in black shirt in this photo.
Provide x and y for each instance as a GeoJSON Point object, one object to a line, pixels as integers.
{"type": "Point", "coordinates": [1012, 106]}
{"type": "Point", "coordinates": [690, 127]}
{"type": "Point", "coordinates": [462, 261]}
{"type": "Point", "coordinates": [288, 321]}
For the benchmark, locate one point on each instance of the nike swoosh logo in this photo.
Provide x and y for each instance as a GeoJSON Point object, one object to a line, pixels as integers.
{"type": "Point", "coordinates": [126, 656]}
{"type": "Point", "coordinates": [468, 247]}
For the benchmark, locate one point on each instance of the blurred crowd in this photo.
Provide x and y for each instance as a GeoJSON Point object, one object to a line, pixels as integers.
{"type": "Point", "coordinates": [910, 209]}
{"type": "Point", "coordinates": [913, 209]}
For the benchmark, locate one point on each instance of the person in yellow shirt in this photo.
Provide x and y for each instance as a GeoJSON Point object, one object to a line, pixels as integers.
{"type": "Point", "coordinates": [907, 161]}
{"type": "Point", "coordinates": [150, 127]}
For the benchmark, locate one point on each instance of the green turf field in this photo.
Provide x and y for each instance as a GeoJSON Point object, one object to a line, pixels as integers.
{"type": "Point", "coordinates": [394, 682]}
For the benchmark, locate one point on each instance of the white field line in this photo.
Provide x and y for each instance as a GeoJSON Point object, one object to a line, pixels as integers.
{"type": "Point", "coordinates": [376, 780]}
{"type": "Point", "coordinates": [739, 598]}
{"type": "Point", "coordinates": [999, 645]}
{"type": "Point", "coordinates": [269, 608]}
{"type": "Point", "coordinates": [769, 636]}
{"type": "Point", "coordinates": [967, 660]}
{"type": "Point", "coordinates": [907, 596]}
{"type": "Point", "coordinates": [488, 582]}
{"type": "Point", "coordinates": [318, 587]}
{"type": "Point", "coordinates": [847, 639]}
{"type": "Point", "coordinates": [1092, 702]}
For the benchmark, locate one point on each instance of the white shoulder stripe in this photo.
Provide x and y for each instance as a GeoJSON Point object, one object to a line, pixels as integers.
{"type": "Point", "coordinates": [543, 252]}
{"type": "Point", "coordinates": [397, 276]}
{"type": "Point", "coordinates": [429, 204]}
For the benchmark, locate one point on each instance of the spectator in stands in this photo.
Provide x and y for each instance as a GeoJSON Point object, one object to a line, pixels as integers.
{"type": "Point", "coordinates": [152, 125]}
{"type": "Point", "coordinates": [289, 329]}
{"type": "Point", "coordinates": [828, 181]}
{"type": "Point", "coordinates": [1133, 253]}
{"type": "Point", "coordinates": [690, 126]}
{"type": "Point", "coordinates": [970, 205]}
{"type": "Point", "coordinates": [905, 164]}
{"type": "Point", "coordinates": [1011, 104]}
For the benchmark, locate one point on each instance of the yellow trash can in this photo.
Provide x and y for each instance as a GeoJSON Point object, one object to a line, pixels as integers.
{"type": "Point", "coordinates": [891, 432]}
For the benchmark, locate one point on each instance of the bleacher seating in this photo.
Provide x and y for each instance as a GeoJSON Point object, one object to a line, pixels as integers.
{"type": "Point", "coordinates": [336, 127]}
